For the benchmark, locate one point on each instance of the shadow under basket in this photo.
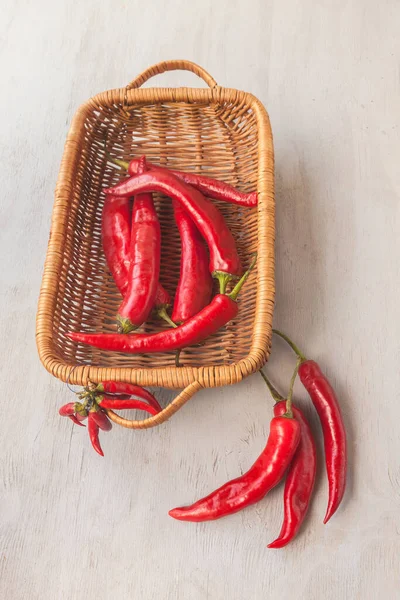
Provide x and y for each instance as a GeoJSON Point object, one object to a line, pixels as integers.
{"type": "Point", "coordinates": [215, 131]}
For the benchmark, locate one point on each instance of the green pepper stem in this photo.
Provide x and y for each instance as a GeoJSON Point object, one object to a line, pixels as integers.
{"type": "Point", "coordinates": [223, 280]}
{"type": "Point", "coordinates": [177, 355]}
{"type": "Point", "coordinates": [115, 161]}
{"type": "Point", "coordinates": [121, 163]}
{"type": "Point", "coordinates": [236, 290]}
{"type": "Point", "coordinates": [291, 344]}
{"type": "Point", "coordinates": [162, 313]}
{"type": "Point", "coordinates": [274, 392]}
{"type": "Point", "coordinates": [289, 412]}
{"type": "Point", "coordinates": [124, 325]}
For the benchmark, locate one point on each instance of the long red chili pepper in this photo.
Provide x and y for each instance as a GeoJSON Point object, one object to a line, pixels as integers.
{"type": "Point", "coordinates": [144, 267]}
{"type": "Point", "coordinates": [116, 235]}
{"type": "Point", "coordinates": [224, 258]}
{"type": "Point", "coordinates": [222, 309]}
{"type": "Point", "coordinates": [93, 430]}
{"type": "Point", "coordinates": [212, 188]}
{"type": "Point", "coordinates": [300, 480]}
{"type": "Point", "coordinates": [116, 238]}
{"type": "Point", "coordinates": [325, 401]}
{"type": "Point", "coordinates": [116, 404]}
{"type": "Point", "coordinates": [118, 387]}
{"type": "Point", "coordinates": [195, 284]}
{"type": "Point", "coordinates": [300, 476]}
{"type": "Point", "coordinates": [251, 487]}
{"type": "Point", "coordinates": [218, 313]}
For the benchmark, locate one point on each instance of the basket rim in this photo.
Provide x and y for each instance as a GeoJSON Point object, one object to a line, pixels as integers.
{"type": "Point", "coordinates": [168, 377]}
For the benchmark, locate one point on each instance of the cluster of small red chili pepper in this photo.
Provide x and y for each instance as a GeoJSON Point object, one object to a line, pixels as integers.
{"type": "Point", "coordinates": [290, 450]}
{"type": "Point", "coordinates": [132, 247]}
{"type": "Point", "coordinates": [108, 395]}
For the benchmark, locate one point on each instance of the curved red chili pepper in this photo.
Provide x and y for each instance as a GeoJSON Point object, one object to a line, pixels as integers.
{"type": "Point", "coordinates": [116, 404]}
{"type": "Point", "coordinates": [210, 187]}
{"type": "Point", "coordinates": [119, 387]}
{"type": "Point", "coordinates": [300, 479]}
{"type": "Point", "coordinates": [325, 401]}
{"type": "Point", "coordinates": [218, 313]}
{"type": "Point", "coordinates": [251, 487]}
{"type": "Point", "coordinates": [93, 430]}
{"type": "Point", "coordinates": [80, 418]}
{"type": "Point", "coordinates": [68, 410]}
{"type": "Point", "coordinates": [224, 258]}
{"type": "Point", "coordinates": [102, 420]}
{"type": "Point", "coordinates": [195, 284]}
{"type": "Point", "coordinates": [144, 271]}
{"type": "Point", "coordinates": [222, 309]}
{"type": "Point", "coordinates": [76, 421]}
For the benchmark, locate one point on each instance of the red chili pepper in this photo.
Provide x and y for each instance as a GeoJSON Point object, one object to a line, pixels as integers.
{"type": "Point", "coordinates": [118, 387]}
{"type": "Point", "coordinates": [327, 406]}
{"type": "Point", "coordinates": [212, 188]}
{"type": "Point", "coordinates": [116, 237]}
{"type": "Point", "coordinates": [251, 487]}
{"type": "Point", "coordinates": [69, 410]}
{"type": "Point", "coordinates": [145, 265]}
{"type": "Point", "coordinates": [93, 430]}
{"type": "Point", "coordinates": [218, 313]}
{"type": "Point", "coordinates": [300, 479]}
{"type": "Point", "coordinates": [222, 309]}
{"type": "Point", "coordinates": [195, 284]}
{"type": "Point", "coordinates": [81, 418]}
{"type": "Point", "coordinates": [325, 401]}
{"type": "Point", "coordinates": [102, 420]}
{"type": "Point", "coordinates": [117, 404]}
{"type": "Point", "coordinates": [224, 259]}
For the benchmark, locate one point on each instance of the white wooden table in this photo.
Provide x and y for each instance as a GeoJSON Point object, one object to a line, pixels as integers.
{"type": "Point", "coordinates": [75, 526]}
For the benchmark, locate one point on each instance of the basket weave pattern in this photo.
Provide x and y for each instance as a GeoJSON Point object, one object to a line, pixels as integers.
{"type": "Point", "coordinates": [219, 132]}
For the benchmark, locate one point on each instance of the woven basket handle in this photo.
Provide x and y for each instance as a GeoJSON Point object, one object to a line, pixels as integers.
{"type": "Point", "coordinates": [165, 414]}
{"type": "Point", "coordinates": [172, 65]}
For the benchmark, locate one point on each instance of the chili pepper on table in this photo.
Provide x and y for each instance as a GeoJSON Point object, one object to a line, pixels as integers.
{"type": "Point", "coordinates": [213, 188]}
{"type": "Point", "coordinates": [195, 284]}
{"type": "Point", "coordinates": [327, 406]}
{"type": "Point", "coordinates": [118, 387]}
{"type": "Point", "coordinates": [252, 486]}
{"type": "Point", "coordinates": [300, 476]}
{"type": "Point", "coordinates": [224, 259]}
{"type": "Point", "coordinates": [145, 247]}
{"type": "Point", "coordinates": [222, 309]}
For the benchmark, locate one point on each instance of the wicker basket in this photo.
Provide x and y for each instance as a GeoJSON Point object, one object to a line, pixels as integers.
{"type": "Point", "coordinates": [221, 132]}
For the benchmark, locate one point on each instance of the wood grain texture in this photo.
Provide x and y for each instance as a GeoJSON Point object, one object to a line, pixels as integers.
{"type": "Point", "coordinates": [75, 526]}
